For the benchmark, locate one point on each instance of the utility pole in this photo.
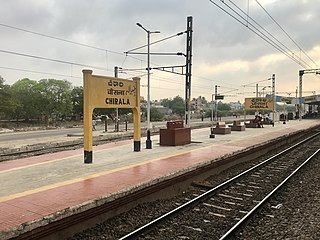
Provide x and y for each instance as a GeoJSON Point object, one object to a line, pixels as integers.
{"type": "Point", "coordinates": [257, 89]}
{"type": "Point", "coordinates": [212, 108]}
{"type": "Point", "coordinates": [148, 141]}
{"type": "Point", "coordinates": [188, 70]}
{"type": "Point", "coordinates": [274, 96]}
{"type": "Point", "coordinates": [296, 105]}
{"type": "Point", "coordinates": [116, 71]}
{"type": "Point", "coordinates": [301, 72]}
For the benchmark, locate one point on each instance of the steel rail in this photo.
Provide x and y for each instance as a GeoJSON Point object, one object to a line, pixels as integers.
{"type": "Point", "coordinates": [232, 230]}
{"type": "Point", "coordinates": [151, 225]}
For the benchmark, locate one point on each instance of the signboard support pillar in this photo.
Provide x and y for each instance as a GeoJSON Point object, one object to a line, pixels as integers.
{"type": "Point", "coordinates": [87, 119]}
{"type": "Point", "coordinates": [136, 119]}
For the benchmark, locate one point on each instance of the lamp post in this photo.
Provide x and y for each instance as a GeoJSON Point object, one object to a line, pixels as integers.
{"type": "Point", "coordinates": [216, 102]}
{"type": "Point", "coordinates": [148, 142]}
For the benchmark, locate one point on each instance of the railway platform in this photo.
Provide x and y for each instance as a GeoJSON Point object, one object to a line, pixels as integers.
{"type": "Point", "coordinates": [39, 190]}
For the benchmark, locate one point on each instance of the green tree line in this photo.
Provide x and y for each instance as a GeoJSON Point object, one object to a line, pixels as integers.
{"type": "Point", "coordinates": [41, 100]}
{"type": "Point", "coordinates": [51, 99]}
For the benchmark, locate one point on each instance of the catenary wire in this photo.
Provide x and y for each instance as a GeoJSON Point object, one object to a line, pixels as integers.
{"type": "Point", "coordinates": [39, 72]}
{"type": "Point", "coordinates": [260, 34]}
{"type": "Point", "coordinates": [286, 33]}
{"type": "Point", "coordinates": [248, 17]}
{"type": "Point", "coordinates": [53, 60]}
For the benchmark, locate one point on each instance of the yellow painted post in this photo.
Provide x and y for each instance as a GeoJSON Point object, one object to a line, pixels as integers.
{"type": "Point", "coordinates": [136, 118]}
{"type": "Point", "coordinates": [87, 116]}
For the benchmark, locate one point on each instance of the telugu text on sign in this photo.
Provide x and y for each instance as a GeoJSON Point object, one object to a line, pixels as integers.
{"type": "Point", "coordinates": [120, 92]}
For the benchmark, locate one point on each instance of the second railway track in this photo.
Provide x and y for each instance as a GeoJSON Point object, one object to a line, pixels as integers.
{"type": "Point", "coordinates": [216, 212]}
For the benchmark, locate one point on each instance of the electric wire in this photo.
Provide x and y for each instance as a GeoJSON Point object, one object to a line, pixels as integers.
{"type": "Point", "coordinates": [248, 84]}
{"type": "Point", "coordinates": [161, 40]}
{"type": "Point", "coordinates": [97, 48]}
{"type": "Point", "coordinates": [60, 39]}
{"type": "Point", "coordinates": [84, 45]}
{"type": "Point", "coordinates": [287, 34]}
{"type": "Point", "coordinates": [256, 31]}
{"type": "Point", "coordinates": [54, 60]}
{"type": "Point", "coordinates": [248, 17]}
{"type": "Point", "coordinates": [68, 41]}
{"type": "Point", "coordinates": [39, 72]}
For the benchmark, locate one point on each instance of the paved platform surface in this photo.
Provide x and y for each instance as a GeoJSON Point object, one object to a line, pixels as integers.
{"type": "Point", "coordinates": [37, 190]}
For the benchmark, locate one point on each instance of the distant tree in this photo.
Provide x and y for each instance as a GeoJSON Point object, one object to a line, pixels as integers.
{"type": "Point", "coordinates": [223, 106]}
{"type": "Point", "coordinates": [155, 114]}
{"type": "Point", "coordinates": [207, 112]}
{"type": "Point", "coordinates": [203, 100]}
{"type": "Point", "coordinates": [143, 109]}
{"type": "Point", "coordinates": [27, 97]}
{"type": "Point", "coordinates": [55, 97]}
{"type": "Point", "coordinates": [124, 111]}
{"type": "Point", "coordinates": [165, 102]}
{"type": "Point", "coordinates": [7, 100]}
{"type": "Point", "coordinates": [77, 100]}
{"type": "Point", "coordinates": [177, 106]}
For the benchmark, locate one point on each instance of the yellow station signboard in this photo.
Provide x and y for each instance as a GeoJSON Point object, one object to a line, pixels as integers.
{"type": "Point", "coordinates": [109, 92]}
{"type": "Point", "coordinates": [259, 103]}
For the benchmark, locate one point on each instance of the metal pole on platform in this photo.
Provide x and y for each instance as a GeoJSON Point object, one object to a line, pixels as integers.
{"type": "Point", "coordinates": [216, 102]}
{"type": "Point", "coordinates": [188, 70]}
{"type": "Point", "coordinates": [212, 108]}
{"type": "Point", "coordinates": [116, 71]}
{"type": "Point", "coordinates": [301, 72]}
{"type": "Point", "coordinates": [296, 105]}
{"type": "Point", "coordinates": [148, 141]}
{"type": "Point", "coordinates": [274, 96]}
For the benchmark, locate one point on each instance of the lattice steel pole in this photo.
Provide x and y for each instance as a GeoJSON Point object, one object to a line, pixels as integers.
{"type": "Point", "coordinates": [301, 72]}
{"type": "Point", "coordinates": [274, 96]}
{"type": "Point", "coordinates": [188, 70]}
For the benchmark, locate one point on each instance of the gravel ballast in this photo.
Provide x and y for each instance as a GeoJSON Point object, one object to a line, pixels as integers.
{"type": "Point", "coordinates": [294, 213]}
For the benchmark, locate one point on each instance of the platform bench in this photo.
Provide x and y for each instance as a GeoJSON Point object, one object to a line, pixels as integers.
{"type": "Point", "coordinates": [175, 134]}
{"type": "Point", "coordinates": [237, 126]}
{"type": "Point", "coordinates": [221, 128]}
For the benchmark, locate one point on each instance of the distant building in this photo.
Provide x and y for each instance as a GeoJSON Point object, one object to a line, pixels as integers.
{"type": "Point", "coordinates": [236, 105]}
{"type": "Point", "coordinates": [197, 105]}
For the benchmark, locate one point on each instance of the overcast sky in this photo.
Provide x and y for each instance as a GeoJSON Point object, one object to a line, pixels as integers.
{"type": "Point", "coordinates": [225, 52]}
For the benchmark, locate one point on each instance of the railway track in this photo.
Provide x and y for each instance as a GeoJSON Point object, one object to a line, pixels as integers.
{"type": "Point", "coordinates": [219, 212]}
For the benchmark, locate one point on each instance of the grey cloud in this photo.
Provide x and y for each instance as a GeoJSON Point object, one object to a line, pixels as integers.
{"type": "Point", "coordinates": [111, 24]}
